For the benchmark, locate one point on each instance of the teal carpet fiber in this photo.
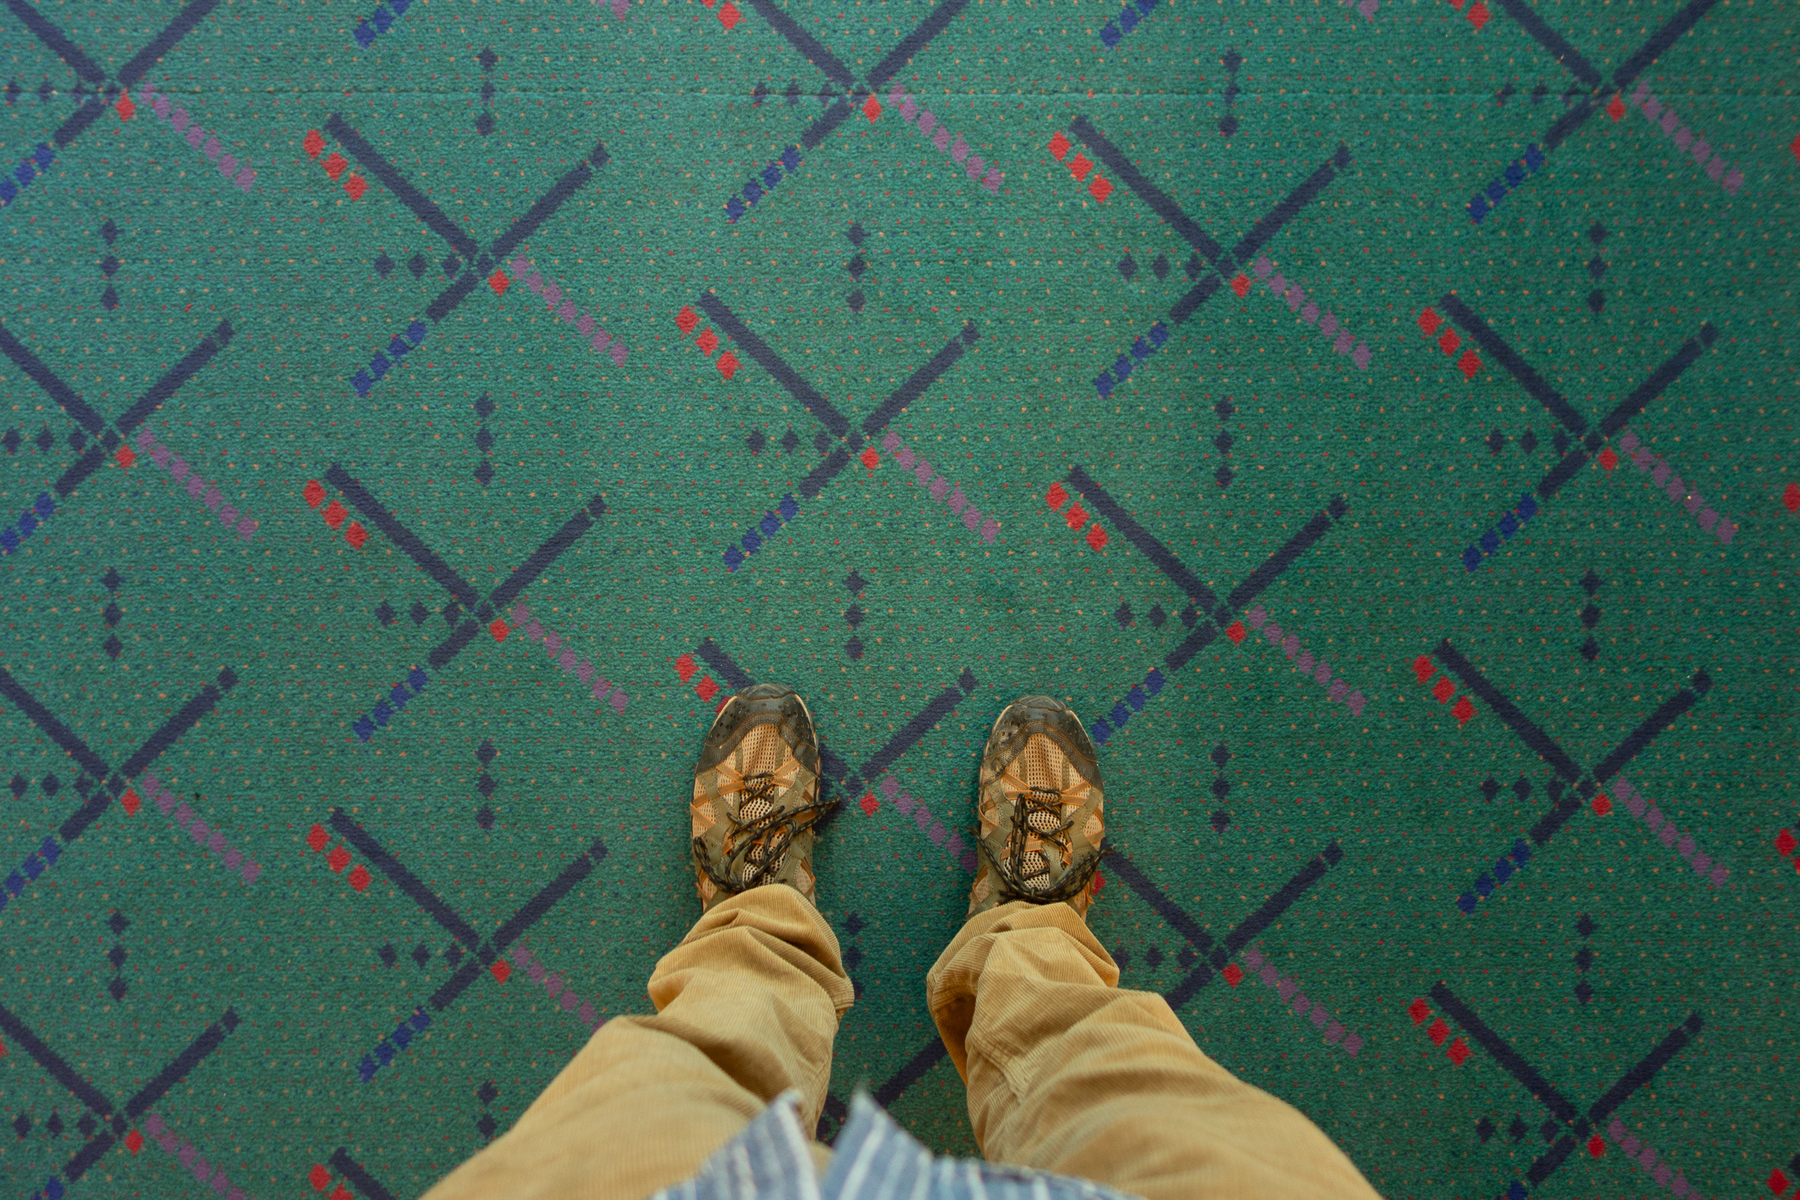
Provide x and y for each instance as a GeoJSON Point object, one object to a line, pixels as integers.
{"type": "Point", "coordinates": [1374, 419]}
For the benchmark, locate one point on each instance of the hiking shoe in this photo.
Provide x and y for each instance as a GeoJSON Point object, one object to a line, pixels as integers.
{"type": "Point", "coordinates": [756, 796]}
{"type": "Point", "coordinates": [1041, 809]}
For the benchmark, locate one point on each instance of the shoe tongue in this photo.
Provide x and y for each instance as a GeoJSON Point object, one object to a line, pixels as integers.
{"type": "Point", "coordinates": [1041, 764]}
{"type": "Point", "coordinates": [762, 751]}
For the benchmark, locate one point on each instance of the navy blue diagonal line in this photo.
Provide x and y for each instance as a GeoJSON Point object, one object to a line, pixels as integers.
{"type": "Point", "coordinates": [190, 364]}
{"type": "Point", "coordinates": [1644, 734]}
{"type": "Point", "coordinates": [53, 728]}
{"type": "Point", "coordinates": [65, 396]}
{"type": "Point", "coordinates": [1304, 193]}
{"type": "Point", "coordinates": [78, 122]}
{"type": "Point", "coordinates": [1159, 201]}
{"type": "Point", "coordinates": [765, 356]}
{"type": "Point", "coordinates": [909, 46]}
{"type": "Point", "coordinates": [57, 41]}
{"type": "Point", "coordinates": [54, 1064]}
{"type": "Point", "coordinates": [1529, 731]}
{"type": "Point", "coordinates": [1659, 379]}
{"type": "Point", "coordinates": [1496, 347]}
{"type": "Point", "coordinates": [421, 205]}
{"type": "Point", "coordinates": [939, 707]}
{"type": "Point", "coordinates": [1549, 39]}
{"type": "Point", "coordinates": [541, 210]}
{"type": "Point", "coordinates": [183, 24]}
{"type": "Point", "coordinates": [1646, 1068]}
{"type": "Point", "coordinates": [196, 1052]}
{"type": "Point", "coordinates": [1121, 867]}
{"type": "Point", "coordinates": [1660, 41]}
{"type": "Point", "coordinates": [364, 1183]}
{"type": "Point", "coordinates": [546, 898]}
{"type": "Point", "coordinates": [1509, 1059]}
{"type": "Point", "coordinates": [1565, 469]}
{"type": "Point", "coordinates": [809, 47]}
{"type": "Point", "coordinates": [1252, 926]}
{"type": "Point", "coordinates": [409, 542]}
{"type": "Point", "coordinates": [715, 657]}
{"type": "Point", "coordinates": [541, 560]}
{"type": "Point", "coordinates": [1160, 555]}
{"type": "Point", "coordinates": [916, 384]}
{"type": "Point", "coordinates": [405, 880]}
{"type": "Point", "coordinates": [171, 731]}
{"type": "Point", "coordinates": [914, 1070]}
{"type": "Point", "coordinates": [1277, 563]}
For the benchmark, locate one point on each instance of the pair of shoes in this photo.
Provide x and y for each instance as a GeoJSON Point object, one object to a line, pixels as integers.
{"type": "Point", "coordinates": [756, 803]}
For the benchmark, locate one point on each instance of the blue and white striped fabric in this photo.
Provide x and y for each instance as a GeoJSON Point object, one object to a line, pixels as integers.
{"type": "Point", "coordinates": [875, 1160]}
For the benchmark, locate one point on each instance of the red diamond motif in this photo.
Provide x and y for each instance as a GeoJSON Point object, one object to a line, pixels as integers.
{"type": "Point", "coordinates": [337, 860]}
{"type": "Point", "coordinates": [1056, 495]}
{"type": "Point", "coordinates": [359, 877]}
{"type": "Point", "coordinates": [134, 1141]}
{"type": "Point", "coordinates": [314, 493]}
{"type": "Point", "coordinates": [706, 689]}
{"type": "Point", "coordinates": [1596, 1146]}
{"type": "Point", "coordinates": [1233, 973]}
{"type": "Point", "coordinates": [334, 166]}
{"type": "Point", "coordinates": [1777, 1181]}
{"type": "Point", "coordinates": [499, 282]}
{"type": "Point", "coordinates": [1616, 109]}
{"type": "Point", "coordinates": [1418, 1010]}
{"type": "Point", "coordinates": [1458, 1052]}
{"type": "Point", "coordinates": [1438, 1032]}
{"type": "Point", "coordinates": [499, 629]}
{"type": "Point", "coordinates": [355, 186]}
{"type": "Point", "coordinates": [1794, 146]}
{"type": "Point", "coordinates": [312, 145]}
{"type": "Point", "coordinates": [1478, 14]}
{"type": "Point", "coordinates": [125, 108]}
{"type": "Point", "coordinates": [1463, 711]}
{"type": "Point", "coordinates": [1602, 804]}
{"type": "Point", "coordinates": [335, 514]}
{"type": "Point", "coordinates": [1608, 459]}
{"type": "Point", "coordinates": [1784, 843]}
{"type": "Point", "coordinates": [1076, 516]}
{"type": "Point", "coordinates": [500, 970]}
{"type": "Point", "coordinates": [1468, 364]}
{"type": "Point", "coordinates": [318, 839]}
{"type": "Point", "coordinates": [1096, 538]}
{"type": "Point", "coordinates": [686, 319]}
{"type": "Point", "coordinates": [131, 802]}
{"type": "Point", "coordinates": [868, 804]}
{"type": "Point", "coordinates": [1236, 632]}
{"type": "Point", "coordinates": [340, 1192]}
{"type": "Point", "coordinates": [318, 1176]}
{"type": "Point", "coordinates": [1422, 668]}
{"type": "Point", "coordinates": [125, 456]}
{"type": "Point", "coordinates": [1241, 285]}
{"type": "Point", "coordinates": [1101, 188]}
{"type": "Point", "coordinates": [1444, 690]}
{"type": "Point", "coordinates": [708, 341]}
{"type": "Point", "coordinates": [1429, 322]}
{"type": "Point", "coordinates": [685, 667]}
{"type": "Point", "coordinates": [728, 364]}
{"type": "Point", "coordinates": [1449, 342]}
{"type": "Point", "coordinates": [356, 535]}
{"type": "Point", "coordinates": [1059, 146]}
{"type": "Point", "coordinates": [729, 15]}
{"type": "Point", "coordinates": [1080, 165]}
{"type": "Point", "coordinates": [871, 107]}
{"type": "Point", "coordinates": [1791, 497]}
{"type": "Point", "coordinates": [870, 459]}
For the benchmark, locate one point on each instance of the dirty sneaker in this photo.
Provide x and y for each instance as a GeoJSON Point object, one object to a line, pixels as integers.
{"type": "Point", "coordinates": [1041, 809]}
{"type": "Point", "coordinates": [756, 796]}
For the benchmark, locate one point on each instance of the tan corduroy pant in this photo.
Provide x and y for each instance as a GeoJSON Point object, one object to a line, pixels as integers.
{"type": "Point", "coordinates": [1066, 1071]}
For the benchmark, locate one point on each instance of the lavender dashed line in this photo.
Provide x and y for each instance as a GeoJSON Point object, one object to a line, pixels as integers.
{"type": "Point", "coordinates": [1299, 1003]}
{"type": "Point", "coordinates": [1318, 670]}
{"type": "Point", "coordinates": [200, 139]}
{"type": "Point", "coordinates": [945, 838]}
{"type": "Point", "coordinates": [554, 300]}
{"type": "Point", "coordinates": [177, 810]}
{"type": "Point", "coordinates": [558, 987]}
{"type": "Point", "coordinates": [1344, 342]}
{"type": "Point", "coordinates": [941, 489]}
{"type": "Point", "coordinates": [1683, 844]}
{"type": "Point", "coordinates": [207, 1172]}
{"type": "Point", "coordinates": [958, 149]}
{"type": "Point", "coordinates": [1662, 474]}
{"type": "Point", "coordinates": [567, 659]}
{"type": "Point", "coordinates": [1648, 1160]}
{"type": "Point", "coordinates": [199, 489]}
{"type": "Point", "coordinates": [1698, 148]}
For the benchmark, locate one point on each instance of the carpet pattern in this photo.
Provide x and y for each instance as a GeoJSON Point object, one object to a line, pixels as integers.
{"type": "Point", "coordinates": [1374, 418]}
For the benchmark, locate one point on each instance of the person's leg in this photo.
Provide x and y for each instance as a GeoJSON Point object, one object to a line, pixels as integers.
{"type": "Point", "coordinates": [747, 1005]}
{"type": "Point", "coordinates": [1065, 1071]}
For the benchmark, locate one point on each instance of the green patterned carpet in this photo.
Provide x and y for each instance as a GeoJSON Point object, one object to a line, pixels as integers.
{"type": "Point", "coordinates": [1375, 419]}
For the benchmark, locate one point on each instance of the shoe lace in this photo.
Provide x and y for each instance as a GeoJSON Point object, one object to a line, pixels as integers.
{"type": "Point", "coordinates": [1039, 813]}
{"type": "Point", "coordinates": [759, 845]}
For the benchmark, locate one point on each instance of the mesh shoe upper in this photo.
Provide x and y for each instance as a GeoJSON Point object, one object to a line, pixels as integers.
{"type": "Point", "coordinates": [1042, 809]}
{"type": "Point", "coordinates": [756, 796]}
